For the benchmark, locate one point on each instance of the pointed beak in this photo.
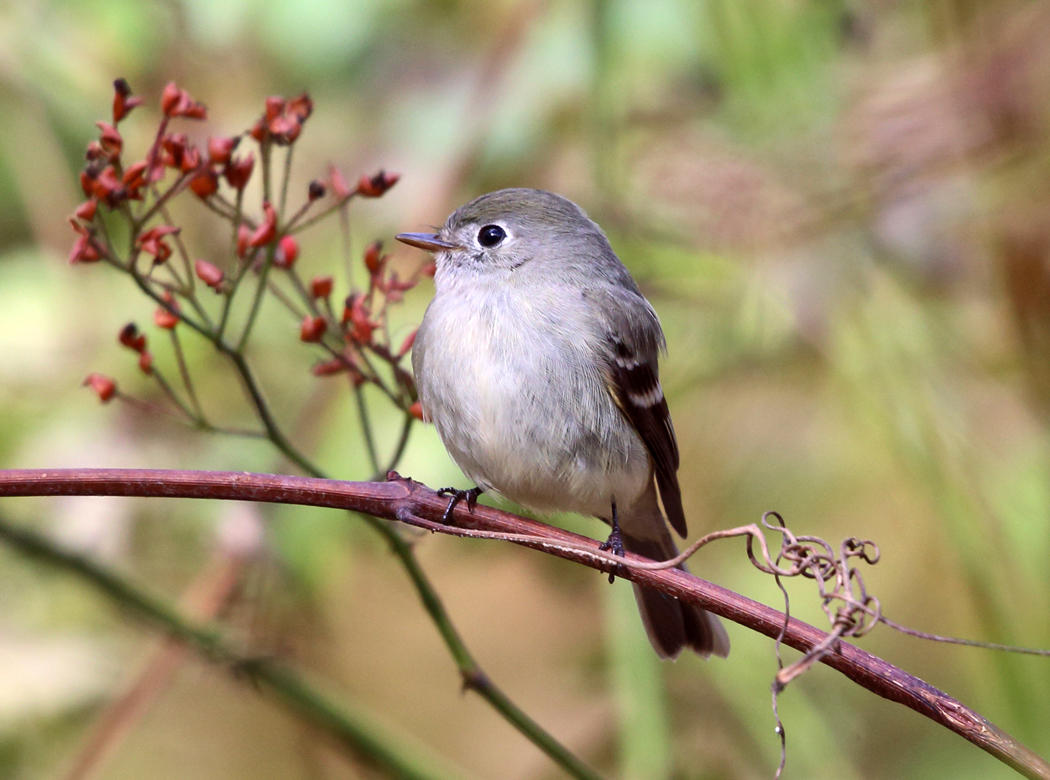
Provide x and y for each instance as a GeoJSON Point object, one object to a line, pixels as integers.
{"type": "Point", "coordinates": [428, 241]}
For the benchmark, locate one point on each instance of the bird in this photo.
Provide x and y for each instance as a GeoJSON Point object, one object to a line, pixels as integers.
{"type": "Point", "coordinates": [537, 362]}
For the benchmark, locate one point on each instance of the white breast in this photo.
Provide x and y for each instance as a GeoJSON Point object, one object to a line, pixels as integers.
{"type": "Point", "coordinates": [519, 400]}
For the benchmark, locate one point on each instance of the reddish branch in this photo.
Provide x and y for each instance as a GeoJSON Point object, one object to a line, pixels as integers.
{"type": "Point", "coordinates": [415, 504]}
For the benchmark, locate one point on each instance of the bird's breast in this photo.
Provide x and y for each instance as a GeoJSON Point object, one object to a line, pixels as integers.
{"type": "Point", "coordinates": [514, 386]}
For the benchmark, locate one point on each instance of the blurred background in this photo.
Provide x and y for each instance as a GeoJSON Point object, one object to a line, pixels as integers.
{"type": "Point", "coordinates": [839, 210]}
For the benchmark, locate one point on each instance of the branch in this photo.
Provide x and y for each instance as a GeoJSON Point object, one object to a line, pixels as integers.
{"type": "Point", "coordinates": [352, 730]}
{"type": "Point", "coordinates": [413, 503]}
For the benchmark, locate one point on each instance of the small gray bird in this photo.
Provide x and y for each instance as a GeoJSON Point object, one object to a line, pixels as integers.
{"type": "Point", "coordinates": [537, 363]}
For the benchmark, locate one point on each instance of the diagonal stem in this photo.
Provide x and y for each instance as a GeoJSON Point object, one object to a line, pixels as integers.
{"type": "Point", "coordinates": [416, 504]}
{"type": "Point", "coordinates": [352, 730]}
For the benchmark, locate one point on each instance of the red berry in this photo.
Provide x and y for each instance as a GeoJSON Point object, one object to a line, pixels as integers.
{"type": "Point", "coordinates": [287, 252]}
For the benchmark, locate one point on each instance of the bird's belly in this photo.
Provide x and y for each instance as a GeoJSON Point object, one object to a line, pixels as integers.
{"type": "Point", "coordinates": [531, 419]}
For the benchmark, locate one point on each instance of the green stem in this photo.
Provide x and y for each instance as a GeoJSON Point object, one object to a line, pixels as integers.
{"type": "Point", "coordinates": [273, 432]}
{"type": "Point", "coordinates": [353, 730]}
{"type": "Point", "coordinates": [265, 154]}
{"type": "Point", "coordinates": [366, 428]}
{"type": "Point", "coordinates": [207, 427]}
{"type": "Point", "coordinates": [344, 231]}
{"type": "Point", "coordinates": [176, 187]}
{"type": "Point", "coordinates": [308, 299]}
{"type": "Point", "coordinates": [170, 392]}
{"type": "Point", "coordinates": [286, 301]}
{"type": "Point", "coordinates": [251, 386]}
{"type": "Point", "coordinates": [184, 371]}
{"type": "Point", "coordinates": [227, 304]}
{"type": "Point", "coordinates": [373, 376]}
{"type": "Point", "coordinates": [220, 206]}
{"type": "Point", "coordinates": [265, 149]}
{"type": "Point", "coordinates": [186, 287]}
{"type": "Point", "coordinates": [289, 226]}
{"type": "Point", "coordinates": [402, 442]}
{"type": "Point", "coordinates": [321, 214]}
{"type": "Point", "coordinates": [271, 249]}
{"type": "Point", "coordinates": [470, 671]}
{"type": "Point", "coordinates": [286, 175]}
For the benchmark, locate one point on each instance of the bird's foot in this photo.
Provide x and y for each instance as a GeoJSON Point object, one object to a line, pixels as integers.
{"type": "Point", "coordinates": [615, 541]}
{"type": "Point", "coordinates": [457, 495]}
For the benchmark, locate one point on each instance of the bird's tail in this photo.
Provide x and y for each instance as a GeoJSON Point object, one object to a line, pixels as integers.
{"type": "Point", "coordinates": [671, 624]}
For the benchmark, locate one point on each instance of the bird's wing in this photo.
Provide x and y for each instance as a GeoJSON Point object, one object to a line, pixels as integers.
{"type": "Point", "coordinates": [634, 340]}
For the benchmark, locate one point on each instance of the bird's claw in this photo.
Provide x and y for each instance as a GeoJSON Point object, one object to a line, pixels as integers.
{"type": "Point", "coordinates": [614, 543]}
{"type": "Point", "coordinates": [457, 495]}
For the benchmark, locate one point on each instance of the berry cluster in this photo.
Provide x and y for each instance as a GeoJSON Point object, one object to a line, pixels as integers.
{"type": "Point", "coordinates": [262, 256]}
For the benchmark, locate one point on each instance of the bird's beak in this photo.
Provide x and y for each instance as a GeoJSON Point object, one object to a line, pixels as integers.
{"type": "Point", "coordinates": [428, 241]}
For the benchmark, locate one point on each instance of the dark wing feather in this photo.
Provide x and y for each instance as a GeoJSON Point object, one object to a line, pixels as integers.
{"type": "Point", "coordinates": [635, 387]}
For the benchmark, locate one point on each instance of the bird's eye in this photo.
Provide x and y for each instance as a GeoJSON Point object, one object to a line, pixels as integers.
{"type": "Point", "coordinates": [491, 235]}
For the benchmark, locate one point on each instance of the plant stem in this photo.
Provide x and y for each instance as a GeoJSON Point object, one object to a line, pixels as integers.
{"type": "Point", "coordinates": [184, 370]}
{"type": "Point", "coordinates": [399, 449]}
{"type": "Point", "coordinates": [286, 175]}
{"type": "Point", "coordinates": [227, 303]}
{"type": "Point", "coordinates": [352, 730]}
{"type": "Point", "coordinates": [262, 409]}
{"type": "Point", "coordinates": [271, 249]}
{"type": "Point", "coordinates": [366, 426]}
{"type": "Point", "coordinates": [413, 503]}
{"type": "Point", "coordinates": [321, 214]}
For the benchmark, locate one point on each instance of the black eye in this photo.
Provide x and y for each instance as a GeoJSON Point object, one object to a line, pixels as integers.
{"type": "Point", "coordinates": [490, 235]}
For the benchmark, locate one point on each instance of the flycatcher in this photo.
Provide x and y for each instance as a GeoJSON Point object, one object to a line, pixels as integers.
{"type": "Point", "coordinates": [537, 363]}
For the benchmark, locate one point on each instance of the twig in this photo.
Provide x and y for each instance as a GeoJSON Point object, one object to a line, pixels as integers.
{"type": "Point", "coordinates": [414, 503]}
